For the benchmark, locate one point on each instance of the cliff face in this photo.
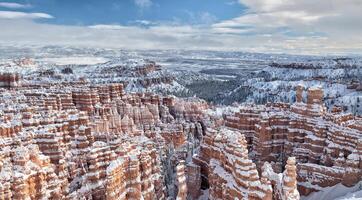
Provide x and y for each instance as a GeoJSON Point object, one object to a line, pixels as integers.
{"type": "Point", "coordinates": [94, 141]}
{"type": "Point", "coordinates": [181, 181]}
{"type": "Point", "coordinates": [224, 160]}
{"type": "Point", "coordinates": [325, 145]}
{"type": "Point", "coordinates": [10, 80]}
{"type": "Point", "coordinates": [231, 174]}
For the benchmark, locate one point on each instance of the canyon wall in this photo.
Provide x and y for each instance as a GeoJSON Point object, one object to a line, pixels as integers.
{"type": "Point", "coordinates": [326, 145]}
{"type": "Point", "coordinates": [95, 141]}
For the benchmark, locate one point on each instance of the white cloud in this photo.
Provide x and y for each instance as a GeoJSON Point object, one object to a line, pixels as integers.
{"type": "Point", "coordinates": [106, 27]}
{"type": "Point", "coordinates": [327, 24]}
{"type": "Point", "coordinates": [27, 32]}
{"type": "Point", "coordinates": [23, 15]}
{"type": "Point", "coordinates": [274, 26]}
{"type": "Point", "coordinates": [143, 3]}
{"type": "Point", "coordinates": [302, 15]}
{"type": "Point", "coordinates": [14, 5]}
{"type": "Point", "coordinates": [143, 22]}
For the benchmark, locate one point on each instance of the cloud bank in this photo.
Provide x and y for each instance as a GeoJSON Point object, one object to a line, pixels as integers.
{"type": "Point", "coordinates": [23, 15]}
{"type": "Point", "coordinates": [275, 26]}
{"type": "Point", "coordinates": [11, 5]}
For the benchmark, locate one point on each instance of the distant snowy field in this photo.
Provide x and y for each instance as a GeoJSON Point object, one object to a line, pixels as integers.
{"type": "Point", "coordinates": [216, 76]}
{"type": "Point", "coordinates": [73, 60]}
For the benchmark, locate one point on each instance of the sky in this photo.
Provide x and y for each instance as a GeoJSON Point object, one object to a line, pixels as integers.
{"type": "Point", "coordinates": [271, 26]}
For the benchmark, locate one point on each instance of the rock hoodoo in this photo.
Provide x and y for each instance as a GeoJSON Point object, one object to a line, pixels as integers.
{"type": "Point", "coordinates": [95, 141]}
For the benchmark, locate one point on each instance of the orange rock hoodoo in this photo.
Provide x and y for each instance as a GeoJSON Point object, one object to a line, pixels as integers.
{"type": "Point", "coordinates": [325, 145]}
{"type": "Point", "coordinates": [80, 141]}
{"type": "Point", "coordinates": [10, 80]}
{"type": "Point", "coordinates": [231, 174]}
{"type": "Point", "coordinates": [94, 142]}
{"type": "Point", "coordinates": [181, 181]}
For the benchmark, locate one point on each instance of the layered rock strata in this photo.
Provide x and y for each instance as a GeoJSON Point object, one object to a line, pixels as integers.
{"type": "Point", "coordinates": [324, 144]}
{"type": "Point", "coordinates": [94, 141]}
{"type": "Point", "coordinates": [228, 170]}
{"type": "Point", "coordinates": [10, 80]}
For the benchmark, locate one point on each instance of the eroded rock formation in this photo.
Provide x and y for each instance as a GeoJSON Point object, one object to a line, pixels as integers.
{"type": "Point", "coordinates": [95, 141]}
{"type": "Point", "coordinates": [324, 144]}
{"type": "Point", "coordinates": [10, 80]}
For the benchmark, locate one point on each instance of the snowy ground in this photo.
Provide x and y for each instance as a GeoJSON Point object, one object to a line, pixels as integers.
{"type": "Point", "coordinates": [74, 60]}
{"type": "Point", "coordinates": [337, 192]}
{"type": "Point", "coordinates": [218, 77]}
{"type": "Point", "coordinates": [204, 195]}
{"type": "Point", "coordinates": [352, 196]}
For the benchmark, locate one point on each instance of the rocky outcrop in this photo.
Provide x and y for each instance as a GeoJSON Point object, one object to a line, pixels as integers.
{"type": "Point", "coordinates": [193, 177]}
{"type": "Point", "coordinates": [148, 82]}
{"type": "Point", "coordinates": [94, 141]}
{"type": "Point", "coordinates": [34, 177]}
{"type": "Point", "coordinates": [10, 80]}
{"type": "Point", "coordinates": [324, 144]}
{"type": "Point", "coordinates": [284, 184]}
{"type": "Point", "coordinates": [289, 185]}
{"type": "Point", "coordinates": [181, 181]}
{"type": "Point", "coordinates": [23, 62]}
{"type": "Point", "coordinates": [230, 173]}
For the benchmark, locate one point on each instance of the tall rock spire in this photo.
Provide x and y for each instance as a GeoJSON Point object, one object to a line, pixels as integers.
{"type": "Point", "coordinates": [289, 185]}
{"type": "Point", "coordinates": [181, 180]}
